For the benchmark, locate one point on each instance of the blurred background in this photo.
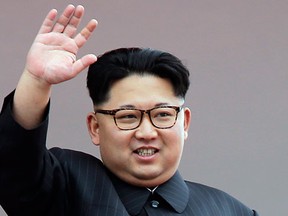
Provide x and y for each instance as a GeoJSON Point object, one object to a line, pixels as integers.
{"type": "Point", "coordinates": [237, 52]}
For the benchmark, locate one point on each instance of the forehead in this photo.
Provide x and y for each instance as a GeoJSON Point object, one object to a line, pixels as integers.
{"type": "Point", "coordinates": [142, 90]}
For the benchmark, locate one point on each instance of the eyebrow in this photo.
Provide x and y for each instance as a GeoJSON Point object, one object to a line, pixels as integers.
{"type": "Point", "coordinates": [134, 107]}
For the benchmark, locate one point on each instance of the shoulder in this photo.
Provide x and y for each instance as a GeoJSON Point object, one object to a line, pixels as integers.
{"type": "Point", "coordinates": [73, 159]}
{"type": "Point", "coordinates": [208, 192]}
{"type": "Point", "coordinates": [79, 167]}
{"type": "Point", "coordinates": [213, 198]}
{"type": "Point", "coordinates": [201, 188]}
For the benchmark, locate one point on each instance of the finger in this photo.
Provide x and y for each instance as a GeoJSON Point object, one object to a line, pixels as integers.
{"type": "Point", "coordinates": [74, 21]}
{"type": "Point", "coordinates": [64, 19]}
{"type": "Point", "coordinates": [48, 22]}
{"type": "Point", "coordinates": [86, 32]}
{"type": "Point", "coordinates": [83, 63]}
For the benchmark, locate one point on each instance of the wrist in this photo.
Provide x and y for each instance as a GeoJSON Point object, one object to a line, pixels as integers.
{"type": "Point", "coordinates": [30, 79]}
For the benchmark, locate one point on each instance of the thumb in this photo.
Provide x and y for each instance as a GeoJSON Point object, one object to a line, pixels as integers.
{"type": "Point", "coordinates": [83, 63]}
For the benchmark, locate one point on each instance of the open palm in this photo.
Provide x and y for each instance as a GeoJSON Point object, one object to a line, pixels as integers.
{"type": "Point", "coordinates": [52, 57]}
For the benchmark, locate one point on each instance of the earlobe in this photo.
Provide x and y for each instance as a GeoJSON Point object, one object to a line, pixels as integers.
{"type": "Point", "coordinates": [93, 128]}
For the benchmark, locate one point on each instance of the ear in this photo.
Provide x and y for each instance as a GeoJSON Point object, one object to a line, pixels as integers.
{"type": "Point", "coordinates": [93, 128]}
{"type": "Point", "coordinates": [187, 120]}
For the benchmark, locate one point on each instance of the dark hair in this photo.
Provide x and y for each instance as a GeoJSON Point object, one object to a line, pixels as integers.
{"type": "Point", "coordinates": [123, 62]}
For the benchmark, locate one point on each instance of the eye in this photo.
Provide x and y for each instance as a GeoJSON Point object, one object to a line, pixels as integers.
{"type": "Point", "coordinates": [127, 116]}
{"type": "Point", "coordinates": [163, 113]}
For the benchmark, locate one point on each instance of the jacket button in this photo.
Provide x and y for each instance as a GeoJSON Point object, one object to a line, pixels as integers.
{"type": "Point", "coordinates": [154, 203]}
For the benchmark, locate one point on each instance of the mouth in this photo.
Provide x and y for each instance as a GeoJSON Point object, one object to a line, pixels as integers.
{"type": "Point", "coordinates": [146, 152]}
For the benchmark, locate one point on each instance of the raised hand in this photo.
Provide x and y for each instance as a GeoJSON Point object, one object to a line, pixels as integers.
{"type": "Point", "coordinates": [52, 57]}
{"type": "Point", "coordinates": [51, 60]}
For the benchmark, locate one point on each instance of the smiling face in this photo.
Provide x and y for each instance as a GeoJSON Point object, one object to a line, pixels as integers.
{"type": "Point", "coordinates": [145, 156]}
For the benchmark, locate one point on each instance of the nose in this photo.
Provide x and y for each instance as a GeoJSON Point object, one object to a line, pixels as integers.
{"type": "Point", "coordinates": [146, 130]}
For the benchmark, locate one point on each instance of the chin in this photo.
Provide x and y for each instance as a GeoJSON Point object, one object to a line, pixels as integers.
{"type": "Point", "coordinates": [150, 179]}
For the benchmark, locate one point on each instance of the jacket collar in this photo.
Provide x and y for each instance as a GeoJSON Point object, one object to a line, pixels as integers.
{"type": "Point", "coordinates": [174, 191]}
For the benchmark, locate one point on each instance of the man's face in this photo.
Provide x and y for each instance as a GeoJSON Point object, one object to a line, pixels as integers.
{"type": "Point", "coordinates": [118, 148]}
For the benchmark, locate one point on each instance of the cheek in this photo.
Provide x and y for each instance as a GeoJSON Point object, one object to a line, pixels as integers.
{"type": "Point", "coordinates": [114, 149]}
{"type": "Point", "coordinates": [174, 139]}
{"type": "Point", "coordinates": [113, 142]}
{"type": "Point", "coordinates": [174, 147]}
{"type": "Point", "coordinates": [178, 133]}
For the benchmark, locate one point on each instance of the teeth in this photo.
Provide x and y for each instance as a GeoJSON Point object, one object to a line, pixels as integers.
{"type": "Point", "coordinates": [146, 152]}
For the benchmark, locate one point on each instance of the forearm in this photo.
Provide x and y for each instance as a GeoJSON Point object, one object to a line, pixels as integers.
{"type": "Point", "coordinates": [30, 101]}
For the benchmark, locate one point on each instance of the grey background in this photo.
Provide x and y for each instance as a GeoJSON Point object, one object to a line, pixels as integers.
{"type": "Point", "coordinates": [237, 52]}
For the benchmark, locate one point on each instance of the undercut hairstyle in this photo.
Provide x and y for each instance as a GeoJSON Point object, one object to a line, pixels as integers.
{"type": "Point", "coordinates": [123, 62]}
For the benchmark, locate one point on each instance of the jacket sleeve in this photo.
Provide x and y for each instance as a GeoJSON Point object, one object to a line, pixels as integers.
{"type": "Point", "coordinates": [30, 176]}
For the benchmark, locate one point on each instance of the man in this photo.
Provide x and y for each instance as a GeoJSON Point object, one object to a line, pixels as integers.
{"type": "Point", "coordinates": [139, 123]}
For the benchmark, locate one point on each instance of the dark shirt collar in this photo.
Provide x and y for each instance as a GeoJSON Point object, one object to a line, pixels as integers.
{"type": "Point", "coordinates": [175, 192]}
{"type": "Point", "coordinates": [132, 197]}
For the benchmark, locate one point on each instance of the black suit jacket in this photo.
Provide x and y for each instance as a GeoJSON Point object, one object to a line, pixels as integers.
{"type": "Point", "coordinates": [37, 181]}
